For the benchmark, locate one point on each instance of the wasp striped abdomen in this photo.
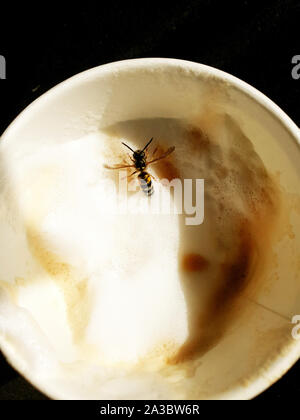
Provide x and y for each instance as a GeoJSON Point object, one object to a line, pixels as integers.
{"type": "Point", "coordinates": [146, 183]}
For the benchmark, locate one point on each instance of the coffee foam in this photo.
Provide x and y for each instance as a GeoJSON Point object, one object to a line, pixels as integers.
{"type": "Point", "coordinates": [113, 290]}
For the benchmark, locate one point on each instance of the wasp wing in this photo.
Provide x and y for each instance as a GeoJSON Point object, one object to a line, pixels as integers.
{"type": "Point", "coordinates": [164, 155]}
{"type": "Point", "coordinates": [118, 166]}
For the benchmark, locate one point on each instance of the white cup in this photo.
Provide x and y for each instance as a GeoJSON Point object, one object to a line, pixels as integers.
{"type": "Point", "coordinates": [261, 345]}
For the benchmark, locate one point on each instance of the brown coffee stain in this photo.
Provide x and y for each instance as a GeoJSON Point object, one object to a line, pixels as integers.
{"type": "Point", "coordinates": [221, 171]}
{"type": "Point", "coordinates": [242, 270]}
{"type": "Point", "coordinates": [74, 288]}
{"type": "Point", "coordinates": [193, 262]}
{"type": "Point", "coordinates": [22, 282]}
{"type": "Point", "coordinates": [207, 329]}
{"type": "Point", "coordinates": [198, 139]}
{"type": "Point", "coordinates": [11, 289]}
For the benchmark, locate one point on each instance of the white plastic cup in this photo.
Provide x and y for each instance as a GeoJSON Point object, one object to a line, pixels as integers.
{"type": "Point", "coordinates": [264, 343]}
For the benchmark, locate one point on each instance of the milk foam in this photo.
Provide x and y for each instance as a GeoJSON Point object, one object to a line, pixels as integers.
{"type": "Point", "coordinates": [107, 289]}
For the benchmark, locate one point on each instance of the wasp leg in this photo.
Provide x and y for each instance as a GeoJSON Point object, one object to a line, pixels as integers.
{"type": "Point", "coordinates": [133, 173]}
{"type": "Point", "coordinates": [132, 160]}
{"type": "Point", "coordinates": [129, 176]}
{"type": "Point", "coordinates": [155, 150]}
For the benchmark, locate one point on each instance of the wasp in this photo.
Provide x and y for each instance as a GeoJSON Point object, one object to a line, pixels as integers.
{"type": "Point", "coordinates": [140, 164]}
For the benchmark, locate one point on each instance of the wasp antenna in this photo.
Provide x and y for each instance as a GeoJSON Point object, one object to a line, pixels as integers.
{"type": "Point", "coordinates": [147, 144]}
{"type": "Point", "coordinates": [128, 147]}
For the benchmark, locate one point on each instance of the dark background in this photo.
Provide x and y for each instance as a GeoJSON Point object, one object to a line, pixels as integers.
{"type": "Point", "coordinates": [253, 40]}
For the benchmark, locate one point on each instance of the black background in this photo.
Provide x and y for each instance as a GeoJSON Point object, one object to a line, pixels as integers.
{"type": "Point", "coordinates": [45, 44]}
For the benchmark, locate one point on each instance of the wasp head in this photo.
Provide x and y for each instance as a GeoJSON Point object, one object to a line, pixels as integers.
{"type": "Point", "coordinates": [139, 154]}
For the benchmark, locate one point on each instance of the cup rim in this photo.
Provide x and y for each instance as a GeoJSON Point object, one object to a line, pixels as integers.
{"type": "Point", "coordinates": [280, 365]}
{"type": "Point", "coordinates": [140, 63]}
